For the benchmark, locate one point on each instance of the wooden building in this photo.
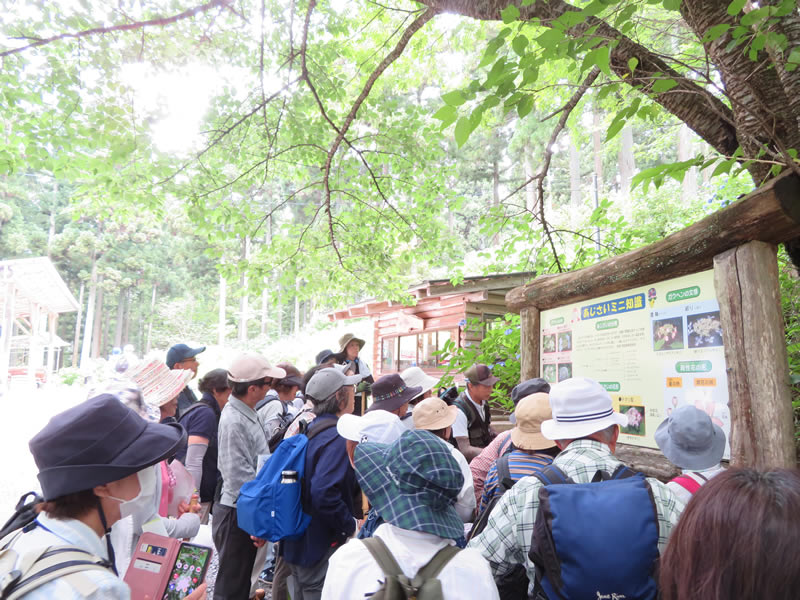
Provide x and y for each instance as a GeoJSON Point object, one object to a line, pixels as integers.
{"type": "Point", "coordinates": [405, 336]}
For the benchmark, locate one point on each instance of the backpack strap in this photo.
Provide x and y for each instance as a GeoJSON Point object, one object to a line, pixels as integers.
{"type": "Point", "coordinates": [437, 563]}
{"type": "Point", "coordinates": [551, 474]}
{"type": "Point", "coordinates": [383, 556]}
{"type": "Point", "coordinates": [504, 479]}
{"type": "Point", "coordinates": [688, 482]}
{"type": "Point", "coordinates": [313, 431]}
{"type": "Point", "coordinates": [46, 564]}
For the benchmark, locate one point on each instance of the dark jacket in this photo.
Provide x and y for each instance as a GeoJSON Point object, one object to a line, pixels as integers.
{"type": "Point", "coordinates": [204, 422]}
{"type": "Point", "coordinates": [329, 486]}
{"type": "Point", "coordinates": [185, 399]}
{"type": "Point", "coordinates": [477, 428]}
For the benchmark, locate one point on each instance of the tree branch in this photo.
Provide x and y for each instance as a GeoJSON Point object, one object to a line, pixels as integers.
{"type": "Point", "coordinates": [158, 22]}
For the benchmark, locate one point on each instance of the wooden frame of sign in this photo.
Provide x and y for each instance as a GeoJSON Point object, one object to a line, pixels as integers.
{"type": "Point", "coordinates": [740, 243]}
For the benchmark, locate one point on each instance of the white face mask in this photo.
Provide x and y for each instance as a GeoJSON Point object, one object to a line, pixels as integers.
{"type": "Point", "coordinates": [143, 503]}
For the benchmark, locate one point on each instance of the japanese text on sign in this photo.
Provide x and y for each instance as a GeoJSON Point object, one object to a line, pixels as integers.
{"type": "Point", "coordinates": [610, 307]}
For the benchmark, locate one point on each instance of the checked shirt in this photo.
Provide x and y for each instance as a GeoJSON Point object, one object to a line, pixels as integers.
{"type": "Point", "coordinates": [507, 538]}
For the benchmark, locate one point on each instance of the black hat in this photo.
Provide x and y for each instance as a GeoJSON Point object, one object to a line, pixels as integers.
{"type": "Point", "coordinates": [180, 352]}
{"type": "Point", "coordinates": [324, 356]}
{"type": "Point", "coordinates": [96, 442]}
{"type": "Point", "coordinates": [528, 387]}
{"type": "Point", "coordinates": [390, 392]}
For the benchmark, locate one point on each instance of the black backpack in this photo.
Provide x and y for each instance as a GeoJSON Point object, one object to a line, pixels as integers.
{"type": "Point", "coordinates": [280, 432]}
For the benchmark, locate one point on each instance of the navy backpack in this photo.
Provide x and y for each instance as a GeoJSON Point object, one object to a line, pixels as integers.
{"type": "Point", "coordinates": [595, 540]}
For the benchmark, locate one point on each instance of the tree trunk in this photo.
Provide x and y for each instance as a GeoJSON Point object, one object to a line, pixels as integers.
{"type": "Point", "coordinates": [297, 306]}
{"type": "Point", "coordinates": [120, 323]}
{"type": "Point", "coordinates": [689, 186]}
{"type": "Point", "coordinates": [243, 306]}
{"type": "Point", "coordinates": [597, 146]}
{"type": "Point", "coordinates": [97, 328]}
{"type": "Point", "coordinates": [575, 197]}
{"type": "Point", "coordinates": [627, 163]}
{"type": "Point", "coordinates": [495, 194]}
{"type": "Point", "coordinates": [530, 172]}
{"type": "Point", "coordinates": [126, 329]}
{"type": "Point", "coordinates": [86, 347]}
{"type": "Point", "coordinates": [77, 337]}
{"type": "Point", "coordinates": [152, 318]}
{"type": "Point", "coordinates": [222, 314]}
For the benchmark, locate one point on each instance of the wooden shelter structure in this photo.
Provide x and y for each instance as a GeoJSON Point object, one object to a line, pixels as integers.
{"type": "Point", "coordinates": [32, 295]}
{"type": "Point", "coordinates": [739, 243]}
{"type": "Point", "coordinates": [406, 335]}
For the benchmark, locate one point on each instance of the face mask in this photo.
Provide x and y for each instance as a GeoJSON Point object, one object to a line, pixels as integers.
{"type": "Point", "coordinates": [144, 502]}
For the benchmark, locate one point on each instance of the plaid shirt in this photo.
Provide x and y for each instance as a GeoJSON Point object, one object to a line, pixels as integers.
{"type": "Point", "coordinates": [507, 537]}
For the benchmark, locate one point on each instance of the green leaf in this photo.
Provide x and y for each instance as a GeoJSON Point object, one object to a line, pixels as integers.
{"type": "Point", "coordinates": [664, 85]}
{"type": "Point", "coordinates": [463, 130]}
{"type": "Point", "coordinates": [736, 6]}
{"type": "Point", "coordinates": [672, 4]}
{"type": "Point", "coordinates": [754, 16]}
{"type": "Point", "coordinates": [550, 39]}
{"type": "Point", "coordinates": [615, 127]}
{"type": "Point", "coordinates": [519, 44]}
{"type": "Point", "coordinates": [509, 14]}
{"type": "Point", "coordinates": [454, 98]}
{"type": "Point", "coordinates": [633, 62]}
{"type": "Point", "coordinates": [446, 114]}
{"type": "Point", "coordinates": [603, 60]}
{"type": "Point", "coordinates": [525, 106]}
{"type": "Point", "coordinates": [723, 167]}
{"type": "Point", "coordinates": [716, 32]}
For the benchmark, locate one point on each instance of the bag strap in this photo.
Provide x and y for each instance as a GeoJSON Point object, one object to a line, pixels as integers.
{"type": "Point", "coordinates": [383, 556]}
{"type": "Point", "coordinates": [24, 514]}
{"type": "Point", "coordinates": [551, 474]}
{"type": "Point", "coordinates": [312, 431]}
{"type": "Point", "coordinates": [504, 478]}
{"type": "Point", "coordinates": [437, 563]}
{"type": "Point", "coordinates": [688, 483]}
{"type": "Point", "coordinates": [43, 565]}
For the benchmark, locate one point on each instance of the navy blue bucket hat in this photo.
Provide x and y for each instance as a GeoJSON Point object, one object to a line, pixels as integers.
{"type": "Point", "coordinates": [96, 442]}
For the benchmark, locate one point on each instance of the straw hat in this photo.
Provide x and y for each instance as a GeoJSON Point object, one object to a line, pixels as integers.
{"type": "Point", "coordinates": [158, 383]}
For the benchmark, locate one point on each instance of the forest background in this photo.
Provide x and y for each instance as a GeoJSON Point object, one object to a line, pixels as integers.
{"type": "Point", "coordinates": [231, 171]}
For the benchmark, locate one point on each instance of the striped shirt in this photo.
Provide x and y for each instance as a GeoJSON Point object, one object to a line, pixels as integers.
{"type": "Point", "coordinates": [481, 464]}
{"type": "Point", "coordinates": [507, 538]}
{"type": "Point", "coordinates": [520, 464]}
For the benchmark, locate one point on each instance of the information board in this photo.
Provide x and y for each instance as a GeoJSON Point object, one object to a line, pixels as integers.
{"type": "Point", "coordinates": [654, 348]}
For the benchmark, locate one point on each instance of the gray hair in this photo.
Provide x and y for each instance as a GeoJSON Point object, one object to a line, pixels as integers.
{"type": "Point", "coordinates": [331, 405]}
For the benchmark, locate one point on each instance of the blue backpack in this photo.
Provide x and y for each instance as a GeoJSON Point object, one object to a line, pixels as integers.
{"type": "Point", "coordinates": [270, 506]}
{"type": "Point", "coordinates": [595, 540]}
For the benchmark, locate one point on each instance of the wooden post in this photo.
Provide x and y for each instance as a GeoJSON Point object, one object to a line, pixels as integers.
{"type": "Point", "coordinates": [529, 343]}
{"type": "Point", "coordinates": [746, 281]}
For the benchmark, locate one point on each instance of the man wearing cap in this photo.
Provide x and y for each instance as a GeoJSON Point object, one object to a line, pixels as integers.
{"type": "Point", "coordinates": [349, 347]}
{"type": "Point", "coordinates": [691, 441]}
{"type": "Point", "coordinates": [472, 428]}
{"type": "Point", "coordinates": [242, 446]}
{"type": "Point", "coordinates": [278, 406]}
{"type": "Point", "coordinates": [413, 483]}
{"type": "Point", "coordinates": [329, 483]}
{"type": "Point", "coordinates": [183, 357]}
{"type": "Point", "coordinates": [433, 414]}
{"type": "Point", "coordinates": [530, 450]}
{"type": "Point", "coordinates": [585, 427]}
{"type": "Point", "coordinates": [481, 464]}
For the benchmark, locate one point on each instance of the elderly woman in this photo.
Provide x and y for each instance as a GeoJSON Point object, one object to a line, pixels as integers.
{"type": "Point", "coordinates": [96, 465]}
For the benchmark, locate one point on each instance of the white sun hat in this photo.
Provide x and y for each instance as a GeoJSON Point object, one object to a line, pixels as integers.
{"type": "Point", "coordinates": [581, 406]}
{"type": "Point", "coordinates": [416, 377]}
{"type": "Point", "coordinates": [159, 383]}
{"type": "Point", "coordinates": [378, 426]}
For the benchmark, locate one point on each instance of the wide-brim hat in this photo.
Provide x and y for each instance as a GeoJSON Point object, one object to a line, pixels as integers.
{"type": "Point", "coordinates": [347, 338]}
{"type": "Point", "coordinates": [390, 392]}
{"type": "Point", "coordinates": [378, 426]}
{"type": "Point", "coordinates": [416, 377]}
{"type": "Point", "coordinates": [158, 383]}
{"type": "Point", "coordinates": [531, 412]}
{"type": "Point", "coordinates": [180, 352]}
{"type": "Point", "coordinates": [412, 483]}
{"type": "Point", "coordinates": [581, 407]}
{"type": "Point", "coordinates": [97, 442]}
{"type": "Point", "coordinates": [433, 414]}
{"type": "Point", "coordinates": [690, 439]}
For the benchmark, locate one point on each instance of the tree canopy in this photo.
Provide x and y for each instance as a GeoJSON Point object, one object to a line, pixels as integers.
{"type": "Point", "coordinates": [335, 142]}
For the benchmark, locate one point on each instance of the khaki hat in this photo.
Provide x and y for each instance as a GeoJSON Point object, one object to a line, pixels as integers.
{"type": "Point", "coordinates": [250, 366]}
{"type": "Point", "coordinates": [433, 413]}
{"type": "Point", "coordinates": [347, 338]}
{"type": "Point", "coordinates": [531, 412]}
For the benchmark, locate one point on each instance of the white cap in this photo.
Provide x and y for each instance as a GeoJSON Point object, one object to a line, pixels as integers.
{"type": "Point", "coordinates": [250, 366]}
{"type": "Point", "coordinates": [416, 377]}
{"type": "Point", "coordinates": [581, 406]}
{"type": "Point", "coordinates": [376, 426]}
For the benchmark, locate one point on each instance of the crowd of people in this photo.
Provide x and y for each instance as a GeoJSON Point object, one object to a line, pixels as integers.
{"type": "Point", "coordinates": [406, 494]}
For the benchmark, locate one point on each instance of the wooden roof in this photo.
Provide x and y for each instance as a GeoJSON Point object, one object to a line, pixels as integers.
{"type": "Point", "coordinates": [35, 281]}
{"type": "Point", "coordinates": [475, 289]}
